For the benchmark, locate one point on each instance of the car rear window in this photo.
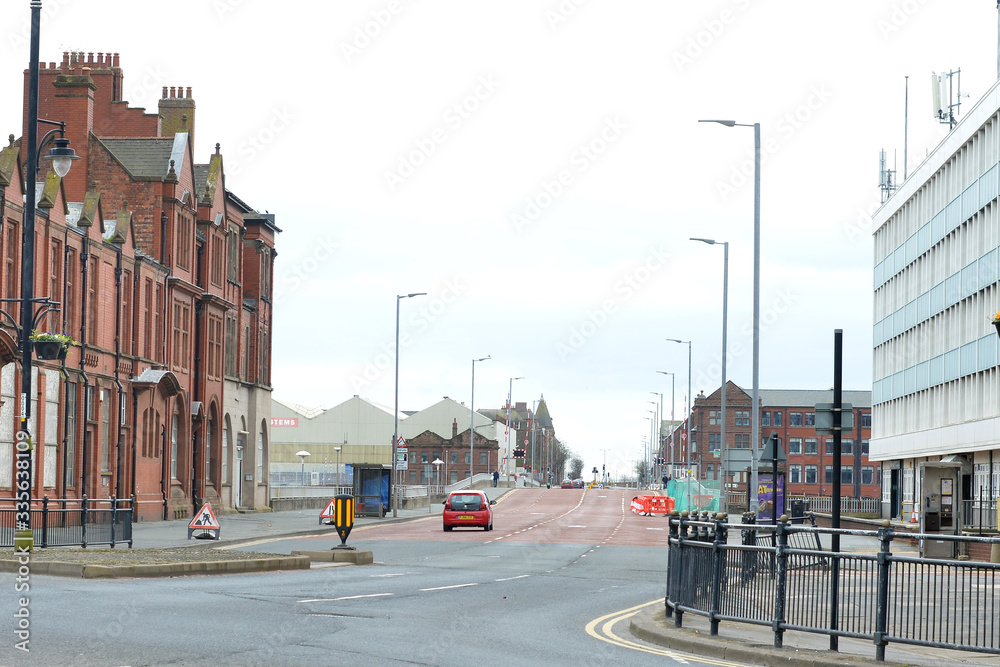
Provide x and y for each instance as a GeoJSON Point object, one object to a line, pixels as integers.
{"type": "Point", "coordinates": [467, 501]}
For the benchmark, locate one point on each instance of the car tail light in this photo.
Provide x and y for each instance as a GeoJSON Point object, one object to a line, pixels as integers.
{"type": "Point", "coordinates": [447, 506]}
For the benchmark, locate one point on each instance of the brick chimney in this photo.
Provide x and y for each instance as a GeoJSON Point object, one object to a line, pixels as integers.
{"type": "Point", "coordinates": [177, 112]}
{"type": "Point", "coordinates": [454, 428]}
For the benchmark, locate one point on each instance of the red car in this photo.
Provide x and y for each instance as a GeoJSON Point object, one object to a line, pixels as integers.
{"type": "Point", "coordinates": [468, 508]}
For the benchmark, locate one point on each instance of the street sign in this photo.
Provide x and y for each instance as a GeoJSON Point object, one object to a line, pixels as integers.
{"type": "Point", "coordinates": [205, 522]}
{"type": "Point", "coordinates": [402, 459]}
{"type": "Point", "coordinates": [824, 417]}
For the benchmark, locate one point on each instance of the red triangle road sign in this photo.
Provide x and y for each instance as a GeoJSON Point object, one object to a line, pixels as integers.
{"type": "Point", "coordinates": [330, 511]}
{"type": "Point", "coordinates": [205, 519]}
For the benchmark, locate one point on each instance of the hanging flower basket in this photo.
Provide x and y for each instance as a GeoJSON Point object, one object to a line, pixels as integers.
{"type": "Point", "coordinates": [50, 346]}
{"type": "Point", "coordinates": [996, 322]}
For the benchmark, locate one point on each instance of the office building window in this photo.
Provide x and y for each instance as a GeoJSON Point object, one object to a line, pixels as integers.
{"type": "Point", "coordinates": [742, 418]}
{"type": "Point", "coordinates": [810, 474]}
{"type": "Point", "coordinates": [795, 474]}
{"type": "Point", "coordinates": [714, 440]}
{"type": "Point", "coordinates": [847, 446]}
{"type": "Point", "coordinates": [828, 446]}
{"type": "Point", "coordinates": [741, 441]}
{"type": "Point", "coordinates": [864, 447]}
{"type": "Point", "coordinates": [777, 419]}
{"type": "Point", "coordinates": [795, 419]}
{"type": "Point", "coordinates": [867, 474]}
{"type": "Point", "coordinates": [810, 418]}
{"type": "Point", "coordinates": [866, 420]}
{"type": "Point", "coordinates": [795, 445]}
{"type": "Point", "coordinates": [484, 458]}
{"type": "Point", "coordinates": [765, 418]}
{"type": "Point", "coordinates": [847, 474]}
{"type": "Point", "coordinates": [811, 446]}
{"type": "Point", "coordinates": [828, 474]}
{"type": "Point", "coordinates": [713, 417]}
{"type": "Point", "coordinates": [423, 457]}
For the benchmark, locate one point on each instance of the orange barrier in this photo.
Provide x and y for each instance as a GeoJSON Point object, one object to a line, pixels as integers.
{"type": "Point", "coordinates": [649, 505]}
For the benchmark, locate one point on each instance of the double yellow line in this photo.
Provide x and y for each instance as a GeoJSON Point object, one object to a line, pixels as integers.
{"type": "Point", "coordinates": [606, 633]}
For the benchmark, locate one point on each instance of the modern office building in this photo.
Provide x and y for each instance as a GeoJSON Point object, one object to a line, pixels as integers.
{"type": "Point", "coordinates": [936, 388]}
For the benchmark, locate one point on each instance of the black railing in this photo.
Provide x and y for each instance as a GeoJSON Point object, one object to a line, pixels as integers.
{"type": "Point", "coordinates": [73, 522]}
{"type": "Point", "coordinates": [779, 577]}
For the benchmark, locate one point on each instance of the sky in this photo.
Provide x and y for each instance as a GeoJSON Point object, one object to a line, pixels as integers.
{"type": "Point", "coordinates": [537, 168]}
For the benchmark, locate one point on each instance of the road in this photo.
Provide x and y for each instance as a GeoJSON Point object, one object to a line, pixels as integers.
{"type": "Point", "coordinates": [554, 583]}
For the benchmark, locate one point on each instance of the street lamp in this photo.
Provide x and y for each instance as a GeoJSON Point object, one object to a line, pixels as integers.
{"type": "Point", "coordinates": [685, 445]}
{"type": "Point", "coordinates": [302, 454]}
{"type": "Point", "coordinates": [472, 417]}
{"type": "Point", "coordinates": [337, 449]}
{"type": "Point", "coordinates": [62, 158]}
{"type": "Point", "coordinates": [659, 436]}
{"type": "Point", "coordinates": [510, 447]}
{"type": "Point", "coordinates": [395, 414]}
{"type": "Point", "coordinates": [755, 410]}
{"type": "Point", "coordinates": [671, 473]}
{"type": "Point", "coordinates": [723, 456]}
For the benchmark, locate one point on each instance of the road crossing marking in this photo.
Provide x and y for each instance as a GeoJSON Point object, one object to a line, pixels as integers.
{"type": "Point", "coordinates": [520, 576]}
{"type": "Point", "coordinates": [444, 588]}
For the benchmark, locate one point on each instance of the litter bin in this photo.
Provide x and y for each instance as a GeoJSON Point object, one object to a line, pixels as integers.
{"type": "Point", "coordinates": [798, 511]}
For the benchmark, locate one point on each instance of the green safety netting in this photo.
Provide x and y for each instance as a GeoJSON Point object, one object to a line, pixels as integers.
{"type": "Point", "coordinates": [690, 495]}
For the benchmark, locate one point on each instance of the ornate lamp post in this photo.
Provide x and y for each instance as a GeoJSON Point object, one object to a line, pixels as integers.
{"type": "Point", "coordinates": [62, 158]}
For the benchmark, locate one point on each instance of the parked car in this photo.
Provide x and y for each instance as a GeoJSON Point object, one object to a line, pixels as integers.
{"type": "Point", "coordinates": [567, 484]}
{"type": "Point", "coordinates": [468, 508]}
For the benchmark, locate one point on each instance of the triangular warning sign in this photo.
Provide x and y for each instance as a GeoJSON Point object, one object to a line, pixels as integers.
{"type": "Point", "coordinates": [330, 511]}
{"type": "Point", "coordinates": [205, 519]}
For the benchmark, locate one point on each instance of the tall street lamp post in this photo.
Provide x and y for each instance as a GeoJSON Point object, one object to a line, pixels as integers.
{"type": "Point", "coordinates": [755, 410]}
{"type": "Point", "coordinates": [723, 454]}
{"type": "Point", "coordinates": [659, 437]}
{"type": "Point", "coordinates": [671, 469]}
{"type": "Point", "coordinates": [510, 446]}
{"type": "Point", "coordinates": [337, 449]}
{"type": "Point", "coordinates": [62, 156]}
{"type": "Point", "coordinates": [472, 417]}
{"type": "Point", "coordinates": [395, 414]}
{"type": "Point", "coordinates": [685, 445]}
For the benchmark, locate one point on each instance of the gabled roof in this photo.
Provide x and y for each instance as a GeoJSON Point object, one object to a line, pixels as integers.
{"type": "Point", "coordinates": [803, 398]}
{"type": "Point", "coordinates": [145, 158]}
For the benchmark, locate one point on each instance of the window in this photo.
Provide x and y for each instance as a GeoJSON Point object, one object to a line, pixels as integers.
{"type": "Point", "coordinates": [742, 418]}
{"type": "Point", "coordinates": [810, 418]}
{"type": "Point", "coordinates": [847, 474]}
{"type": "Point", "coordinates": [828, 475]}
{"type": "Point", "coordinates": [11, 270]}
{"type": "Point", "coordinates": [847, 446]}
{"type": "Point", "coordinates": [795, 445]}
{"type": "Point", "coordinates": [714, 442]}
{"type": "Point", "coordinates": [795, 474]}
{"type": "Point", "coordinates": [217, 259]}
{"type": "Point", "coordinates": [174, 426]}
{"type": "Point", "coordinates": [867, 474]}
{"type": "Point", "coordinates": [423, 457]}
{"type": "Point", "coordinates": [263, 377]}
{"type": "Point", "coordinates": [246, 352]}
{"type": "Point", "coordinates": [741, 441]}
{"type": "Point", "coordinates": [92, 301]}
{"type": "Point", "coordinates": [828, 446]}
{"type": "Point", "coordinates": [231, 345]}
{"type": "Point", "coordinates": [453, 457]}
{"type": "Point", "coordinates": [147, 310]}
{"type": "Point", "coordinates": [864, 447]}
{"type": "Point", "coordinates": [709, 471]}
{"type": "Point", "coordinates": [468, 458]}
{"type": "Point", "coordinates": [70, 432]}
{"type": "Point", "coordinates": [260, 458]}
{"type": "Point", "coordinates": [158, 325]}
{"type": "Point", "coordinates": [866, 420]}
{"type": "Point", "coordinates": [810, 474]}
{"type": "Point", "coordinates": [265, 274]}
{"type": "Point", "coordinates": [765, 418]}
{"type": "Point", "coordinates": [811, 446]}
{"type": "Point", "coordinates": [182, 335]}
{"type": "Point", "coordinates": [126, 332]}
{"type": "Point", "coordinates": [233, 254]}
{"type": "Point", "coordinates": [55, 279]}
{"type": "Point", "coordinates": [69, 305]}
{"type": "Point", "coordinates": [183, 242]}
{"type": "Point", "coordinates": [484, 458]}
{"type": "Point", "coordinates": [777, 419]}
{"type": "Point", "coordinates": [714, 418]}
{"type": "Point", "coordinates": [208, 448]}
{"type": "Point", "coordinates": [214, 366]}
{"type": "Point", "coordinates": [225, 455]}
{"type": "Point", "coordinates": [795, 419]}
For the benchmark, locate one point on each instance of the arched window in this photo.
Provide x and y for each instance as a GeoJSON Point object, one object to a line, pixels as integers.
{"type": "Point", "coordinates": [175, 422]}
{"type": "Point", "coordinates": [211, 456]}
{"type": "Point", "coordinates": [226, 435]}
{"type": "Point", "coordinates": [261, 450]}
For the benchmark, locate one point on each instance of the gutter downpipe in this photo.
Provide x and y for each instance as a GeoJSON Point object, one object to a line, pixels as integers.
{"type": "Point", "coordinates": [84, 269]}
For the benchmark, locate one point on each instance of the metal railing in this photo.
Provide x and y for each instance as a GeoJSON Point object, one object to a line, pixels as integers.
{"type": "Point", "coordinates": [73, 522]}
{"type": "Point", "coordinates": [881, 597]}
{"type": "Point", "coordinates": [979, 514]}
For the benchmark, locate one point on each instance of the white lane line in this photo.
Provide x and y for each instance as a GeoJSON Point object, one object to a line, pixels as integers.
{"type": "Point", "coordinates": [444, 588]}
{"type": "Point", "coordinates": [520, 576]}
{"type": "Point", "coordinates": [348, 597]}
{"type": "Point", "coordinates": [392, 574]}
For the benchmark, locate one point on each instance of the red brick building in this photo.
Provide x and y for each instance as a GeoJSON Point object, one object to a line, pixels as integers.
{"type": "Point", "coordinates": [791, 414]}
{"type": "Point", "coordinates": [164, 277]}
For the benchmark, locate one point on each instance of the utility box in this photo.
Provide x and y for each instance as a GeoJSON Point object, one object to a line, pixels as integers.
{"type": "Point", "coordinates": [940, 507]}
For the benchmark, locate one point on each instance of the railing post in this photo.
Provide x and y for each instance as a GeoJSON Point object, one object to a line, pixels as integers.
{"type": "Point", "coordinates": [719, 571]}
{"type": "Point", "coordinates": [885, 535]}
{"type": "Point", "coordinates": [780, 588]}
{"type": "Point", "coordinates": [45, 521]}
{"type": "Point", "coordinates": [131, 519]}
{"type": "Point", "coordinates": [683, 581]}
{"type": "Point", "coordinates": [114, 508]}
{"type": "Point", "coordinates": [673, 561]}
{"type": "Point", "coordinates": [83, 521]}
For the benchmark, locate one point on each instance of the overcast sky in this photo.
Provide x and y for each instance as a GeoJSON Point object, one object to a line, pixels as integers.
{"type": "Point", "coordinates": [537, 168]}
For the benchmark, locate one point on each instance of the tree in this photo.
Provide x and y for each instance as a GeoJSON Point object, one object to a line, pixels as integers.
{"type": "Point", "coordinates": [642, 470]}
{"type": "Point", "coordinates": [575, 467]}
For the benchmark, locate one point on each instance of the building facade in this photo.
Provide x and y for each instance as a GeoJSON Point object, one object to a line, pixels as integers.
{"type": "Point", "coordinates": [791, 416]}
{"type": "Point", "coordinates": [936, 389]}
{"type": "Point", "coordinates": [163, 278]}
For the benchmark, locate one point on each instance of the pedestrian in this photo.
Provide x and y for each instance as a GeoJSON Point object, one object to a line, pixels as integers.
{"type": "Point", "coordinates": [496, 477]}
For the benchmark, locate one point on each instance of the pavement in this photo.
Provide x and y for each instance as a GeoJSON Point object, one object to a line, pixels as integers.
{"type": "Point", "coordinates": [737, 642]}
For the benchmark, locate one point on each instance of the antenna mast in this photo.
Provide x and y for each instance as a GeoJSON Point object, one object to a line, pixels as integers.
{"type": "Point", "coordinates": [886, 177]}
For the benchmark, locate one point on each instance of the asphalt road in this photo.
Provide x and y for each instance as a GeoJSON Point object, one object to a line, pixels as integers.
{"type": "Point", "coordinates": [553, 584]}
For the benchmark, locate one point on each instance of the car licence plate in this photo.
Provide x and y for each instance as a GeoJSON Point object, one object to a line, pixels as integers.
{"type": "Point", "coordinates": [466, 516]}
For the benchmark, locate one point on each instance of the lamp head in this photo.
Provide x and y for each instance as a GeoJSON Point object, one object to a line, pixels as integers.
{"type": "Point", "coordinates": [727, 123]}
{"type": "Point", "coordinates": [708, 241]}
{"type": "Point", "coordinates": [62, 156]}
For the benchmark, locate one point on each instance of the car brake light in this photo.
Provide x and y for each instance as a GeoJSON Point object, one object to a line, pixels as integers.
{"type": "Point", "coordinates": [447, 506]}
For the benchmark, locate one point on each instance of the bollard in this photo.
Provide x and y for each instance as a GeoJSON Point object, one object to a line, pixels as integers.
{"type": "Point", "coordinates": [343, 519]}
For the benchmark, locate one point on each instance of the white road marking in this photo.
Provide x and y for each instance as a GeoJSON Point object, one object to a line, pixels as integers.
{"type": "Point", "coordinates": [576, 526]}
{"type": "Point", "coordinates": [348, 597]}
{"type": "Point", "coordinates": [520, 576]}
{"type": "Point", "coordinates": [444, 588]}
{"type": "Point", "coordinates": [393, 574]}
